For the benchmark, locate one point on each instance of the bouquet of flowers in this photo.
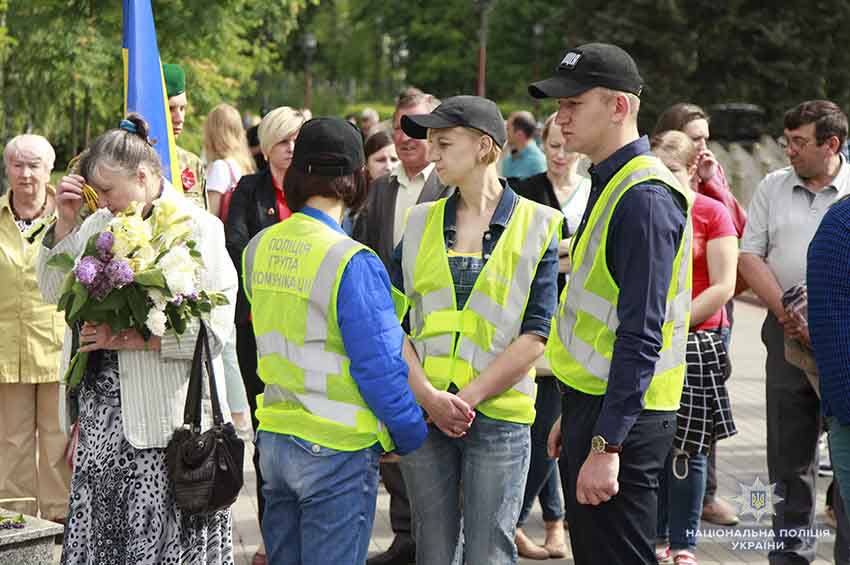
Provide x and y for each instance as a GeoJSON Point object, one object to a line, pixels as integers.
{"type": "Point", "coordinates": [141, 273]}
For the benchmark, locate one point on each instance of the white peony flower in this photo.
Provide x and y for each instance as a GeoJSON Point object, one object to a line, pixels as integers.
{"type": "Point", "coordinates": [158, 298]}
{"type": "Point", "coordinates": [156, 322]}
{"type": "Point", "coordinates": [179, 269]}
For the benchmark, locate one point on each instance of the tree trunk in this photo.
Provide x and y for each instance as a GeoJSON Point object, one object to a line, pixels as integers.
{"type": "Point", "coordinates": [73, 114]}
{"type": "Point", "coordinates": [87, 118]}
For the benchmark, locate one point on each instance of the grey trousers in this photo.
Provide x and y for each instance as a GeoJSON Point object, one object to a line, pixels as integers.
{"type": "Point", "coordinates": [793, 429]}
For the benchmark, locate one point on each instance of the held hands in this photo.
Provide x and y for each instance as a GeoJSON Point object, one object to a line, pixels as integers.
{"type": "Point", "coordinates": [597, 478]}
{"type": "Point", "coordinates": [450, 413]}
{"type": "Point", "coordinates": [99, 336]}
{"type": "Point", "coordinates": [706, 164]}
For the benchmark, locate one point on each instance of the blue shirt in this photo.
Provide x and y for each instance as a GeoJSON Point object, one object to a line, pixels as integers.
{"type": "Point", "coordinates": [543, 296]}
{"type": "Point", "coordinates": [829, 308]}
{"type": "Point", "coordinates": [526, 163]}
{"type": "Point", "coordinates": [364, 300]}
{"type": "Point", "coordinates": [643, 238]}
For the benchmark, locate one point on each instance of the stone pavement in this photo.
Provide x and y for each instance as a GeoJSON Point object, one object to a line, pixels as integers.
{"type": "Point", "coordinates": [741, 458]}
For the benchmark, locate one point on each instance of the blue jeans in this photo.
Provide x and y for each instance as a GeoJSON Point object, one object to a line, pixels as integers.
{"type": "Point", "coordinates": [237, 398]}
{"type": "Point", "coordinates": [839, 443]}
{"type": "Point", "coordinates": [543, 476]}
{"type": "Point", "coordinates": [680, 500]}
{"type": "Point", "coordinates": [486, 469]}
{"type": "Point", "coordinates": [320, 502]}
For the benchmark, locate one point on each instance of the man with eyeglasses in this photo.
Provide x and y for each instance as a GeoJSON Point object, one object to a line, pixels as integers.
{"type": "Point", "coordinates": [783, 216]}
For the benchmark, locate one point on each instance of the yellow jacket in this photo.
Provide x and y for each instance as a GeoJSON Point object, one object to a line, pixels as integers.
{"type": "Point", "coordinates": [31, 331]}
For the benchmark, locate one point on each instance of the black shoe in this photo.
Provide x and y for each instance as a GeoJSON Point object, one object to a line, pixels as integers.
{"type": "Point", "coordinates": [401, 552]}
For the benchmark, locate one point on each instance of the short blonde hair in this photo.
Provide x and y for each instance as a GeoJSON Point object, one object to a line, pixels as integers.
{"type": "Point", "coordinates": [30, 143]}
{"type": "Point", "coordinates": [224, 137]}
{"type": "Point", "coordinates": [277, 125]}
{"type": "Point", "coordinates": [673, 146]}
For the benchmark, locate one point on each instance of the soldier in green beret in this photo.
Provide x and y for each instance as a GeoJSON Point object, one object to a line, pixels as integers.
{"type": "Point", "coordinates": [192, 173]}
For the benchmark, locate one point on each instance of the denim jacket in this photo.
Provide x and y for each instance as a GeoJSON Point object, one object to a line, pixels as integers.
{"type": "Point", "coordinates": [543, 297]}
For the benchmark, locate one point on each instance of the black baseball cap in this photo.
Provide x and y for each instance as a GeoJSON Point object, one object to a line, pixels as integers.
{"type": "Point", "coordinates": [328, 147]}
{"type": "Point", "coordinates": [473, 112]}
{"type": "Point", "coordinates": [588, 66]}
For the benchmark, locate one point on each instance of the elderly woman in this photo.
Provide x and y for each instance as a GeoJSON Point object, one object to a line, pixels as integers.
{"type": "Point", "coordinates": [32, 339]}
{"type": "Point", "coordinates": [130, 401]}
{"type": "Point", "coordinates": [259, 202]}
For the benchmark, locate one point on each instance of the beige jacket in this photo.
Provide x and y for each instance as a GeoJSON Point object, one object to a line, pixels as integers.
{"type": "Point", "coordinates": [31, 329]}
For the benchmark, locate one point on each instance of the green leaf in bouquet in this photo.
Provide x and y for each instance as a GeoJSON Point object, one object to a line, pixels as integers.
{"type": "Point", "coordinates": [195, 254]}
{"type": "Point", "coordinates": [218, 298]}
{"type": "Point", "coordinates": [177, 322]}
{"type": "Point", "coordinates": [138, 305]}
{"type": "Point", "coordinates": [61, 261]}
{"type": "Point", "coordinates": [68, 283]}
{"type": "Point", "coordinates": [116, 300]}
{"type": "Point", "coordinates": [76, 369]}
{"type": "Point", "coordinates": [150, 278]}
{"type": "Point", "coordinates": [91, 246]}
{"type": "Point", "coordinates": [81, 296]}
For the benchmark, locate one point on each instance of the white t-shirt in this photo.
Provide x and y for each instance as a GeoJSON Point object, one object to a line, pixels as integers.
{"type": "Point", "coordinates": [407, 196]}
{"type": "Point", "coordinates": [573, 208]}
{"type": "Point", "coordinates": [219, 177]}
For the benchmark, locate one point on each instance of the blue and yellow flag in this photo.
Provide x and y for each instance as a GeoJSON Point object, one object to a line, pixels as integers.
{"type": "Point", "coordinates": [144, 85]}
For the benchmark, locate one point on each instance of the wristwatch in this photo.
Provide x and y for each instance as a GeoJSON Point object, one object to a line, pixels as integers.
{"type": "Point", "coordinates": [599, 445]}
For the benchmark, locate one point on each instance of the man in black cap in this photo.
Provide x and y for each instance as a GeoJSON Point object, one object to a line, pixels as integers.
{"type": "Point", "coordinates": [618, 344]}
{"type": "Point", "coordinates": [193, 178]}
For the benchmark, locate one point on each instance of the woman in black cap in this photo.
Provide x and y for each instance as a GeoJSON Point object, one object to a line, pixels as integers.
{"type": "Point", "coordinates": [480, 269]}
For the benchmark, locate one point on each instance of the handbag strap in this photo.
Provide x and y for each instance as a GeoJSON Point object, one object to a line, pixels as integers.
{"type": "Point", "coordinates": [201, 360]}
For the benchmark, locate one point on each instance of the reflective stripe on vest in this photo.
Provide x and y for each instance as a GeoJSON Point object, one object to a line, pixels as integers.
{"type": "Point", "coordinates": [583, 303]}
{"type": "Point", "coordinates": [315, 359]}
{"type": "Point", "coordinates": [435, 319]}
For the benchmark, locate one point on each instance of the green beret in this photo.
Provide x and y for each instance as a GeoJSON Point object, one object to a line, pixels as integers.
{"type": "Point", "coordinates": [175, 79]}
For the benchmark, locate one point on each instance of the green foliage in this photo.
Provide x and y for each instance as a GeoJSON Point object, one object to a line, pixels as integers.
{"type": "Point", "coordinates": [61, 70]}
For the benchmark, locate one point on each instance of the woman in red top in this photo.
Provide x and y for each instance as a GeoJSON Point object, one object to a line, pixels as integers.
{"type": "Point", "coordinates": [711, 181]}
{"type": "Point", "coordinates": [715, 259]}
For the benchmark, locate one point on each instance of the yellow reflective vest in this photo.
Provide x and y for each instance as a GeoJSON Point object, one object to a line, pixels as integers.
{"type": "Point", "coordinates": [455, 346]}
{"type": "Point", "coordinates": [581, 344]}
{"type": "Point", "coordinates": [291, 275]}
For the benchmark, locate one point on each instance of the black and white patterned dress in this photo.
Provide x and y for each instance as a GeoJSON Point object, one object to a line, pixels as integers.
{"type": "Point", "coordinates": [122, 509]}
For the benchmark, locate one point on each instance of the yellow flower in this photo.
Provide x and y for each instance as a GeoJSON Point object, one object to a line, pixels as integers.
{"type": "Point", "coordinates": [169, 223]}
{"type": "Point", "coordinates": [131, 232]}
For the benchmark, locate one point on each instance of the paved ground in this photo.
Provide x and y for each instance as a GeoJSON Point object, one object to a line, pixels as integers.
{"type": "Point", "coordinates": [740, 459]}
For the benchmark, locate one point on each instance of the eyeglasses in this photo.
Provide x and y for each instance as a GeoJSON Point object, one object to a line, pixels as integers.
{"type": "Point", "coordinates": [795, 143]}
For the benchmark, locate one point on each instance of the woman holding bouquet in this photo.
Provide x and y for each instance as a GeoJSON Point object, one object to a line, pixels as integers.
{"type": "Point", "coordinates": [131, 397]}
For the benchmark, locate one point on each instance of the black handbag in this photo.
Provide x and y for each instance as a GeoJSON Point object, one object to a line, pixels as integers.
{"type": "Point", "coordinates": [205, 468]}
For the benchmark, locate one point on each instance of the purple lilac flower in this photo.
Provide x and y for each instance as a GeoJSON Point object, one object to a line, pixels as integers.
{"type": "Point", "coordinates": [177, 300]}
{"type": "Point", "coordinates": [87, 270]}
{"type": "Point", "coordinates": [101, 288]}
{"type": "Point", "coordinates": [104, 244]}
{"type": "Point", "coordinates": [193, 296]}
{"type": "Point", "coordinates": [119, 273]}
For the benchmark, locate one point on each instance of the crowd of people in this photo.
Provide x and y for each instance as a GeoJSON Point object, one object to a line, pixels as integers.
{"type": "Point", "coordinates": [482, 312]}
